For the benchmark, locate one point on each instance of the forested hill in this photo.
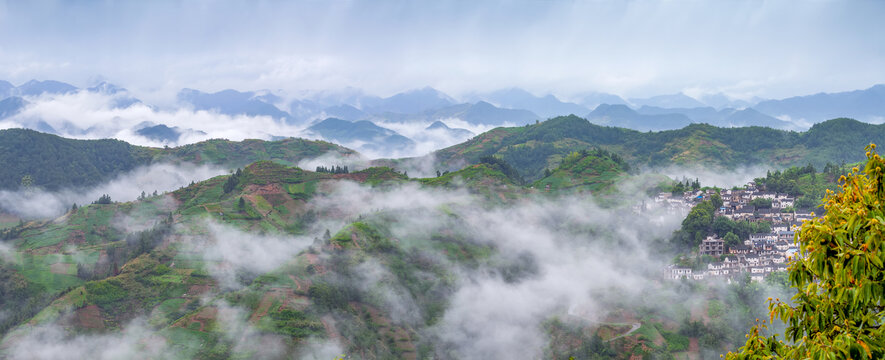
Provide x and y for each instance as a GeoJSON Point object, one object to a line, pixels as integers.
{"type": "Point", "coordinates": [52, 162]}
{"type": "Point", "coordinates": [533, 148]}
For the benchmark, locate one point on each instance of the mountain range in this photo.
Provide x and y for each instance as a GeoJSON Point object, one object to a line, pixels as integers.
{"type": "Point", "coordinates": [427, 105]}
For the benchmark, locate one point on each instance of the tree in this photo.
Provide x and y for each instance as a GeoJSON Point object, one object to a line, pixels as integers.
{"type": "Point", "coordinates": [839, 310]}
{"type": "Point", "coordinates": [27, 183]}
{"type": "Point", "coordinates": [104, 200]}
{"type": "Point", "coordinates": [760, 203]}
{"type": "Point", "coordinates": [699, 221]}
{"type": "Point", "coordinates": [717, 200]}
{"type": "Point", "coordinates": [731, 239]}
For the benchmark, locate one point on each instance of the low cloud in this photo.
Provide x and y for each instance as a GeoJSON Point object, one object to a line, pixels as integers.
{"type": "Point", "coordinates": [90, 115]}
{"type": "Point", "coordinates": [126, 187]}
{"type": "Point", "coordinates": [713, 177]}
{"type": "Point", "coordinates": [230, 252]}
{"type": "Point", "coordinates": [551, 255]}
{"type": "Point", "coordinates": [51, 341]}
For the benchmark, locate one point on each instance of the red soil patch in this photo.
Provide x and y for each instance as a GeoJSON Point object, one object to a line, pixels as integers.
{"type": "Point", "coordinates": [89, 318]}
{"type": "Point", "coordinates": [329, 324]}
{"type": "Point", "coordinates": [301, 285]}
{"type": "Point", "coordinates": [196, 290]}
{"type": "Point", "coordinates": [59, 268]}
{"type": "Point", "coordinates": [76, 237]}
{"type": "Point", "coordinates": [693, 348]}
{"type": "Point", "coordinates": [263, 307]}
{"type": "Point", "coordinates": [267, 189]}
{"type": "Point", "coordinates": [203, 317]}
{"type": "Point", "coordinates": [276, 199]}
{"type": "Point", "coordinates": [355, 239]}
{"type": "Point", "coordinates": [314, 260]}
{"type": "Point", "coordinates": [360, 177]}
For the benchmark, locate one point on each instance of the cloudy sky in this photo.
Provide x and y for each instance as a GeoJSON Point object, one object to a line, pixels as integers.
{"type": "Point", "coordinates": [631, 48]}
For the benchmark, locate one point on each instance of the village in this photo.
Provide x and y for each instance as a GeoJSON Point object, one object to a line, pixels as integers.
{"type": "Point", "coordinates": [760, 254]}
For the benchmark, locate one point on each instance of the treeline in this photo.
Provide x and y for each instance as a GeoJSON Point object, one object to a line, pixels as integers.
{"type": "Point", "coordinates": [333, 169]}
{"type": "Point", "coordinates": [680, 186]}
{"type": "Point", "coordinates": [503, 167]}
{"type": "Point", "coordinates": [804, 183]}
{"type": "Point", "coordinates": [134, 244]}
{"type": "Point", "coordinates": [232, 181]}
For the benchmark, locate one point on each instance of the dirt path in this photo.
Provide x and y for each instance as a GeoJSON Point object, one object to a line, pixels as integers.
{"type": "Point", "coordinates": [574, 312]}
{"type": "Point", "coordinates": [329, 324]}
{"type": "Point", "coordinates": [635, 327]}
{"type": "Point", "coordinates": [298, 286]}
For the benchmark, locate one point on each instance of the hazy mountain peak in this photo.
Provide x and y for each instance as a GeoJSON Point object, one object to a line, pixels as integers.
{"type": "Point", "coordinates": [35, 87]}
{"type": "Point", "coordinates": [6, 88]}
{"type": "Point", "coordinates": [678, 100]}
{"type": "Point", "coordinates": [107, 88]}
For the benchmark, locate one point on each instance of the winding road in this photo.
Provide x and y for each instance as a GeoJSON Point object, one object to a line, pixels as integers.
{"type": "Point", "coordinates": [635, 327]}
{"type": "Point", "coordinates": [572, 311]}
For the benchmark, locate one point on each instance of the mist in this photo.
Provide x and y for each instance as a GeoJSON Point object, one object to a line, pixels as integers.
{"type": "Point", "coordinates": [92, 115]}
{"type": "Point", "coordinates": [563, 257]}
{"type": "Point", "coordinates": [709, 176]}
{"type": "Point", "coordinates": [230, 252]}
{"type": "Point", "coordinates": [162, 177]}
{"type": "Point", "coordinates": [52, 341]}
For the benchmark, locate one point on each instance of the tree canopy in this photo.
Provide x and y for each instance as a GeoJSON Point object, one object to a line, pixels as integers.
{"type": "Point", "coordinates": [839, 310]}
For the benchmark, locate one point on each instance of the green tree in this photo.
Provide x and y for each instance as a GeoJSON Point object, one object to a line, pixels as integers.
{"type": "Point", "coordinates": [717, 200]}
{"type": "Point", "coordinates": [731, 239]}
{"type": "Point", "coordinates": [27, 182]}
{"type": "Point", "coordinates": [699, 221]}
{"type": "Point", "coordinates": [839, 310]}
{"type": "Point", "coordinates": [760, 203]}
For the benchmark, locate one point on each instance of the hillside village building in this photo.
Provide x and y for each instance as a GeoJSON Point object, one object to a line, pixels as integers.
{"type": "Point", "coordinates": [759, 255]}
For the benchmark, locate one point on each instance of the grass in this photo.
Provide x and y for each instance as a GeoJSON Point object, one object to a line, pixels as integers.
{"type": "Point", "coordinates": [36, 269]}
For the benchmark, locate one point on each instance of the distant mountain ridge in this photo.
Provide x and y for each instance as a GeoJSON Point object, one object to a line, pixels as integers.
{"type": "Point", "coordinates": [366, 134]}
{"type": "Point", "coordinates": [513, 106]}
{"type": "Point", "coordinates": [867, 104]}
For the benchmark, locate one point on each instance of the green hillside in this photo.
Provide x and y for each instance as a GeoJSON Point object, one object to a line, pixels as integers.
{"type": "Point", "coordinates": [593, 170]}
{"type": "Point", "coordinates": [53, 162]}
{"type": "Point", "coordinates": [533, 148]}
{"type": "Point", "coordinates": [100, 267]}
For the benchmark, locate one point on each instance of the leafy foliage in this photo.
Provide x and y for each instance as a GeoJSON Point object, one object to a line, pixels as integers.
{"type": "Point", "coordinates": [838, 311]}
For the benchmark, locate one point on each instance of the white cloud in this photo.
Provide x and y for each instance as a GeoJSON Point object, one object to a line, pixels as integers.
{"type": "Point", "coordinates": [125, 187]}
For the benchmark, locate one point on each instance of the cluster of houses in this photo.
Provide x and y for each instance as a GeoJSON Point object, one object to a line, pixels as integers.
{"type": "Point", "coordinates": [759, 255]}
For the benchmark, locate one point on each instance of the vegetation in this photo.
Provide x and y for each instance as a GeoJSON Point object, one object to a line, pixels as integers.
{"type": "Point", "coordinates": [53, 162]}
{"type": "Point", "coordinates": [837, 312]}
{"type": "Point", "coordinates": [533, 148]}
{"type": "Point", "coordinates": [595, 169]}
{"type": "Point", "coordinates": [103, 264]}
{"type": "Point", "coordinates": [804, 183]}
{"type": "Point", "coordinates": [701, 223]}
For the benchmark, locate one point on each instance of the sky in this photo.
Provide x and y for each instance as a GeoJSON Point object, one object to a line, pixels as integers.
{"type": "Point", "coordinates": [769, 49]}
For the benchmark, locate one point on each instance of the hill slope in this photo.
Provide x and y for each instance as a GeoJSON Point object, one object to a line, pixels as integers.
{"type": "Point", "coordinates": [533, 148]}
{"type": "Point", "coordinates": [54, 162]}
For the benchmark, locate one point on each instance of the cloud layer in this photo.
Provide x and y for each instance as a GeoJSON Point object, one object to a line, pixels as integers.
{"type": "Point", "coordinates": [126, 187]}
